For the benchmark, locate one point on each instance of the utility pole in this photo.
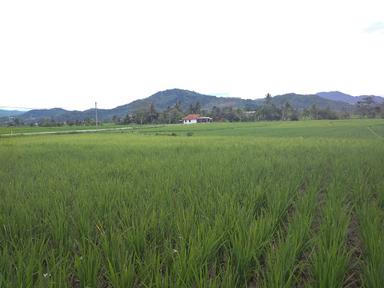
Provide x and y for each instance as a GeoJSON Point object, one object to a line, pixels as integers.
{"type": "Point", "coordinates": [96, 113]}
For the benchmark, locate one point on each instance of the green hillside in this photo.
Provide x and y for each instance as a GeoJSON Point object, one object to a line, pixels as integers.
{"type": "Point", "coordinates": [168, 98]}
{"type": "Point", "coordinates": [304, 101]}
{"type": "Point", "coordinates": [7, 113]}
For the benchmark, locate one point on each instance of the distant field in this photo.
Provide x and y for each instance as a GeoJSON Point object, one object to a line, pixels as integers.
{"type": "Point", "coordinates": [29, 129]}
{"type": "Point", "coordinates": [323, 128]}
{"type": "Point", "coordinates": [265, 204]}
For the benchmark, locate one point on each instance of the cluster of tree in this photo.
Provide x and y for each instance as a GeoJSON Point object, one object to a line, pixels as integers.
{"type": "Point", "coordinates": [12, 121]}
{"type": "Point", "coordinates": [266, 112]}
{"type": "Point", "coordinates": [172, 114]}
{"type": "Point", "coordinates": [49, 122]}
{"type": "Point", "coordinates": [270, 111]}
{"type": "Point", "coordinates": [318, 114]}
{"type": "Point", "coordinates": [367, 108]}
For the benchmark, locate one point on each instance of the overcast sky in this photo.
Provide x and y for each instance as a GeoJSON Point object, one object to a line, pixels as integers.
{"type": "Point", "coordinates": [72, 53]}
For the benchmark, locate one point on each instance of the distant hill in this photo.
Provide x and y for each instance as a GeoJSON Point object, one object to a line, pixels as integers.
{"type": "Point", "coordinates": [168, 98]}
{"type": "Point", "coordinates": [59, 114]}
{"type": "Point", "coordinates": [342, 97]}
{"type": "Point", "coordinates": [41, 113]}
{"type": "Point", "coordinates": [376, 99]}
{"type": "Point", "coordinates": [164, 99]}
{"type": "Point", "coordinates": [336, 101]}
{"type": "Point", "coordinates": [300, 102]}
{"type": "Point", "coordinates": [7, 113]}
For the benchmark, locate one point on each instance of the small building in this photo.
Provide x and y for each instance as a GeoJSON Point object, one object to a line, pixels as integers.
{"type": "Point", "coordinates": [196, 118]}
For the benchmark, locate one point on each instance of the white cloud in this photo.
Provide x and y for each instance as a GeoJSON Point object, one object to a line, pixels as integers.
{"type": "Point", "coordinates": [375, 27]}
{"type": "Point", "coordinates": [71, 53]}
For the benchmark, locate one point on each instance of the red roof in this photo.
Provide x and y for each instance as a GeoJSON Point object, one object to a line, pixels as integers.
{"type": "Point", "coordinates": [192, 117]}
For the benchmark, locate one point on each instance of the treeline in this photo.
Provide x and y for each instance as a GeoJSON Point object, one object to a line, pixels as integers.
{"type": "Point", "coordinates": [49, 122]}
{"type": "Point", "coordinates": [171, 115]}
{"type": "Point", "coordinates": [366, 108]}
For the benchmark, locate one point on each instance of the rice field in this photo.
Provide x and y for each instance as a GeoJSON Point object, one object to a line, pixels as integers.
{"type": "Point", "coordinates": [265, 204]}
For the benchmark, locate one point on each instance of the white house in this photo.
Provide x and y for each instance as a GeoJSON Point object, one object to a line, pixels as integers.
{"type": "Point", "coordinates": [196, 118]}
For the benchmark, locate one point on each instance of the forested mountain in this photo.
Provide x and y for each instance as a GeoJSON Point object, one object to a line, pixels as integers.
{"type": "Point", "coordinates": [163, 100]}
{"type": "Point", "coordinates": [301, 102]}
{"type": "Point", "coordinates": [342, 97]}
{"type": "Point", "coordinates": [8, 113]}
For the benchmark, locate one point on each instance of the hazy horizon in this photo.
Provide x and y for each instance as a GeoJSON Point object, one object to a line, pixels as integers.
{"type": "Point", "coordinates": [73, 53]}
{"type": "Point", "coordinates": [100, 107]}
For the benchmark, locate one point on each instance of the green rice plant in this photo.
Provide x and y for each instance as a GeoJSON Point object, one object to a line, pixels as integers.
{"type": "Point", "coordinates": [119, 262]}
{"type": "Point", "coordinates": [7, 274]}
{"type": "Point", "coordinates": [373, 245]}
{"type": "Point", "coordinates": [27, 265]}
{"type": "Point", "coordinates": [366, 194]}
{"type": "Point", "coordinates": [195, 255]}
{"type": "Point", "coordinates": [235, 205]}
{"type": "Point", "coordinates": [87, 265]}
{"type": "Point", "coordinates": [249, 243]}
{"type": "Point", "coordinates": [283, 255]}
{"type": "Point", "coordinates": [330, 258]}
